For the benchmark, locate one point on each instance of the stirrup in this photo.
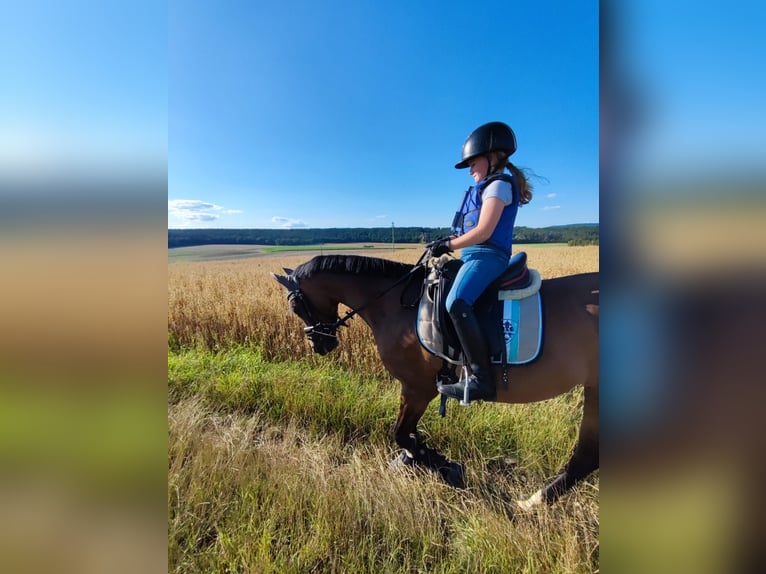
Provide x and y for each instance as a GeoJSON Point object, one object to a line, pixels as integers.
{"type": "Point", "coordinates": [465, 388]}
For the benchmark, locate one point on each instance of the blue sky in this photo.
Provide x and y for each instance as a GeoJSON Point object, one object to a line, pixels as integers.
{"type": "Point", "coordinates": [697, 75]}
{"type": "Point", "coordinates": [352, 114]}
{"type": "Point", "coordinates": [83, 88]}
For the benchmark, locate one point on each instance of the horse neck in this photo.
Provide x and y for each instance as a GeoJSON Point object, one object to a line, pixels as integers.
{"type": "Point", "coordinates": [357, 292]}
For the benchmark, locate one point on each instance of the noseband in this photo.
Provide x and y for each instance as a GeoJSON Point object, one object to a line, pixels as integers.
{"type": "Point", "coordinates": [318, 327]}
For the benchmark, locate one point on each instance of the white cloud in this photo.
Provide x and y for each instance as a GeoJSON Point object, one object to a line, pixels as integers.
{"type": "Point", "coordinates": [190, 210]}
{"type": "Point", "coordinates": [549, 207]}
{"type": "Point", "coordinates": [551, 195]}
{"type": "Point", "coordinates": [287, 222]}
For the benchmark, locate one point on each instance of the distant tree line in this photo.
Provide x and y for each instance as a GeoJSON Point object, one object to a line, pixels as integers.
{"type": "Point", "coordinates": [579, 234]}
{"type": "Point", "coordinates": [583, 234]}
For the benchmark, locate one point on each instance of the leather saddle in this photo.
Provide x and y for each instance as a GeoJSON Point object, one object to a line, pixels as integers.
{"type": "Point", "coordinates": [435, 329]}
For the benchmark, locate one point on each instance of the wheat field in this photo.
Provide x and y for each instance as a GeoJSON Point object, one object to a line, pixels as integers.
{"type": "Point", "coordinates": [279, 459]}
{"type": "Point", "coordinates": [218, 304]}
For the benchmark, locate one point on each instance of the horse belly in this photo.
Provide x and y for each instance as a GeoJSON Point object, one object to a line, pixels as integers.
{"type": "Point", "coordinates": [557, 370]}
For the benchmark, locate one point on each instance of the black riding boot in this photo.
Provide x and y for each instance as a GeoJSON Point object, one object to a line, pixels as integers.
{"type": "Point", "coordinates": [481, 385]}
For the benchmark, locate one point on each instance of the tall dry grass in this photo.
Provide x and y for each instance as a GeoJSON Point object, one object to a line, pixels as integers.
{"type": "Point", "coordinates": [278, 459]}
{"type": "Point", "coordinates": [246, 495]}
{"type": "Point", "coordinates": [216, 305]}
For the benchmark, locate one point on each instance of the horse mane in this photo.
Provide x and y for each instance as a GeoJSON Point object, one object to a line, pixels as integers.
{"type": "Point", "coordinates": [351, 264]}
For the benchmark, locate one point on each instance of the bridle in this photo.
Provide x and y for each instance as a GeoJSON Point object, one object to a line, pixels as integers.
{"type": "Point", "coordinates": [330, 330]}
{"type": "Point", "coordinates": [318, 328]}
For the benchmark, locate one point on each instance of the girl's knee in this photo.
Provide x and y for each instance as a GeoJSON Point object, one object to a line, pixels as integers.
{"type": "Point", "coordinates": [450, 301]}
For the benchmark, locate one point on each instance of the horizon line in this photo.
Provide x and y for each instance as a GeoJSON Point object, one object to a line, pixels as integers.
{"type": "Point", "coordinates": [356, 227]}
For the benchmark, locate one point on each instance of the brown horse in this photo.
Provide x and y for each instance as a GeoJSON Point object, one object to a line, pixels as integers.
{"type": "Point", "coordinates": [375, 288]}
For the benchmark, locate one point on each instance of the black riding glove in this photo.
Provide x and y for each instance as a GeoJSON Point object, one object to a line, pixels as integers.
{"type": "Point", "coordinates": [440, 247]}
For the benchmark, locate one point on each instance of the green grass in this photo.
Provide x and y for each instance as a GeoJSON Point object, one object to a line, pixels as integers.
{"type": "Point", "coordinates": [282, 248]}
{"type": "Point", "coordinates": [379, 246]}
{"type": "Point", "coordinates": [231, 252]}
{"type": "Point", "coordinates": [283, 467]}
{"type": "Point", "coordinates": [213, 252]}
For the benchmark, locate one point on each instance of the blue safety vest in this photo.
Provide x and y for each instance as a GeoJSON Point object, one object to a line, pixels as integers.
{"type": "Point", "coordinates": [467, 217]}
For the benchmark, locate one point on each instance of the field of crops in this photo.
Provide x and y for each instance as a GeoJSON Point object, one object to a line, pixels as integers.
{"type": "Point", "coordinates": [279, 459]}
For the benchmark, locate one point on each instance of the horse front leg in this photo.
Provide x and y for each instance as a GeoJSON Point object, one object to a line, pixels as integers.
{"type": "Point", "coordinates": [584, 460]}
{"type": "Point", "coordinates": [415, 452]}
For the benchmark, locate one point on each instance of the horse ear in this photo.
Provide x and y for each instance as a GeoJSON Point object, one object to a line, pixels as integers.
{"type": "Point", "coordinates": [283, 281]}
{"type": "Point", "coordinates": [288, 271]}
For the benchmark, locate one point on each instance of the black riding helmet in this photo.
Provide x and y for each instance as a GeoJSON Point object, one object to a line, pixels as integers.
{"type": "Point", "coordinates": [494, 136]}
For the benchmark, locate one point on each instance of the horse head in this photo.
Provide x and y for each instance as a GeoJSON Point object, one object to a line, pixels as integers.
{"type": "Point", "coordinates": [321, 325]}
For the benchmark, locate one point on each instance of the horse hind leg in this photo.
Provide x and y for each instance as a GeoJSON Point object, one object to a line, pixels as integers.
{"type": "Point", "coordinates": [584, 460]}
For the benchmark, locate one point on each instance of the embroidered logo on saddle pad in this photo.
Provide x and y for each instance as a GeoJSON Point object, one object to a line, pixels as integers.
{"type": "Point", "coordinates": [511, 318]}
{"type": "Point", "coordinates": [522, 323]}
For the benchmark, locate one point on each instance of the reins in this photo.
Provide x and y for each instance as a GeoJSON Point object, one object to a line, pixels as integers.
{"type": "Point", "coordinates": [329, 329]}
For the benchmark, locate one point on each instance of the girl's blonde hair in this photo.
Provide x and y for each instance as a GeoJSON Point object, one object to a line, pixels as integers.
{"type": "Point", "coordinates": [525, 188]}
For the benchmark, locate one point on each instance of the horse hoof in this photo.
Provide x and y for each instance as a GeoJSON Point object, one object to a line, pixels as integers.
{"type": "Point", "coordinates": [453, 474]}
{"type": "Point", "coordinates": [530, 503]}
{"type": "Point", "coordinates": [401, 461]}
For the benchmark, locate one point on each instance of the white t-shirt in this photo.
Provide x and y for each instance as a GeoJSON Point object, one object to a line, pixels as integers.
{"type": "Point", "coordinates": [500, 189]}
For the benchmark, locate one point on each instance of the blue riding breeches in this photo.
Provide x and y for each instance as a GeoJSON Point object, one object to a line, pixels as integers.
{"type": "Point", "coordinates": [482, 264]}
